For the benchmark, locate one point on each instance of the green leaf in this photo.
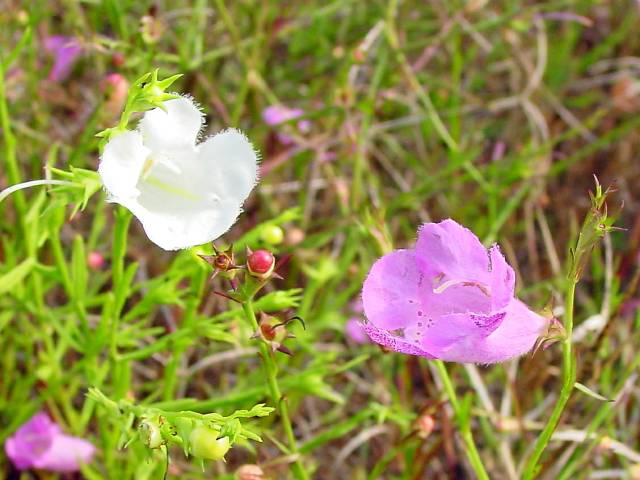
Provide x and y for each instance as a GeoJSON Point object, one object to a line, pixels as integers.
{"type": "Point", "coordinates": [591, 393]}
{"type": "Point", "coordinates": [14, 277]}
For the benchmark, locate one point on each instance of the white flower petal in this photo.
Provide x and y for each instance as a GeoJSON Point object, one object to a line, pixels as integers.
{"type": "Point", "coordinates": [231, 158]}
{"type": "Point", "coordinates": [185, 209]}
{"type": "Point", "coordinates": [174, 230]}
{"type": "Point", "coordinates": [122, 162]}
{"type": "Point", "coordinates": [173, 129]}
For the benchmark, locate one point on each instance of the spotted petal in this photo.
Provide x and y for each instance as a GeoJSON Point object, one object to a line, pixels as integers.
{"type": "Point", "coordinates": [391, 292]}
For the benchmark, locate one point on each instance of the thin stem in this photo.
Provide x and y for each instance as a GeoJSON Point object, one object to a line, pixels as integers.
{"type": "Point", "coordinates": [271, 370]}
{"type": "Point", "coordinates": [462, 421]}
{"type": "Point", "coordinates": [568, 381]}
{"type": "Point", "coordinates": [32, 183]}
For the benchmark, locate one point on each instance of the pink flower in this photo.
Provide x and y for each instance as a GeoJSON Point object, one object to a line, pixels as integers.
{"type": "Point", "coordinates": [40, 444]}
{"type": "Point", "coordinates": [116, 88]}
{"type": "Point", "coordinates": [448, 298]}
{"type": "Point", "coordinates": [95, 260]}
{"type": "Point", "coordinates": [277, 114]}
{"type": "Point", "coordinates": [65, 51]}
{"type": "Point", "coordinates": [355, 331]}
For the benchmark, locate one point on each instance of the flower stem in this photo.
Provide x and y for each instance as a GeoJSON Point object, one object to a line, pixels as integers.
{"type": "Point", "coordinates": [568, 381]}
{"type": "Point", "coordinates": [271, 370]}
{"type": "Point", "coordinates": [463, 422]}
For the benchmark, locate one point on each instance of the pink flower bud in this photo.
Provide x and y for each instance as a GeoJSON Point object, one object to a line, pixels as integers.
{"type": "Point", "coordinates": [116, 88]}
{"type": "Point", "coordinates": [425, 425]}
{"type": "Point", "coordinates": [95, 260]}
{"type": "Point", "coordinates": [249, 472]}
{"type": "Point", "coordinates": [261, 263]}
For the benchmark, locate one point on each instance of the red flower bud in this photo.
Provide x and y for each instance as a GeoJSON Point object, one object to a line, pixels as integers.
{"type": "Point", "coordinates": [261, 263]}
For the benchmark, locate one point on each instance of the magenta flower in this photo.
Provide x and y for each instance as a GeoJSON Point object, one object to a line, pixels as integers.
{"type": "Point", "coordinates": [40, 444]}
{"type": "Point", "coordinates": [448, 298]}
{"type": "Point", "coordinates": [277, 114]}
{"type": "Point", "coordinates": [65, 51]}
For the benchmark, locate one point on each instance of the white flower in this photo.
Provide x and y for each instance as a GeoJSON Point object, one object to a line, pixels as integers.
{"type": "Point", "coordinates": [183, 193]}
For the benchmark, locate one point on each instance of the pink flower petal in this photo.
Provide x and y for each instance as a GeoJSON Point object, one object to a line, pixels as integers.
{"type": "Point", "coordinates": [393, 342]}
{"type": "Point", "coordinates": [449, 248]}
{"type": "Point", "coordinates": [30, 440]}
{"type": "Point", "coordinates": [65, 454]}
{"type": "Point", "coordinates": [391, 292]}
{"type": "Point", "coordinates": [39, 443]}
{"type": "Point", "coordinates": [355, 331]}
{"type": "Point", "coordinates": [65, 51]}
{"type": "Point", "coordinates": [503, 279]}
{"type": "Point", "coordinates": [276, 114]}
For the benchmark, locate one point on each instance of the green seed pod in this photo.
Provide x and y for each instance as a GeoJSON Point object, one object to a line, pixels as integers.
{"type": "Point", "coordinates": [206, 444]}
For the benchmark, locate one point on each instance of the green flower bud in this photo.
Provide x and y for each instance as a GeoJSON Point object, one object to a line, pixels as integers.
{"type": "Point", "coordinates": [150, 434]}
{"type": "Point", "coordinates": [272, 234]}
{"type": "Point", "coordinates": [206, 444]}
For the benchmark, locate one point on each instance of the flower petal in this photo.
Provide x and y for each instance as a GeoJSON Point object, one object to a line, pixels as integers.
{"type": "Point", "coordinates": [65, 50]}
{"type": "Point", "coordinates": [517, 334]}
{"type": "Point", "coordinates": [65, 454]}
{"type": "Point", "coordinates": [454, 337]}
{"type": "Point", "coordinates": [183, 225]}
{"type": "Point", "coordinates": [191, 196]}
{"type": "Point", "coordinates": [230, 159]}
{"type": "Point", "coordinates": [32, 438]}
{"type": "Point", "coordinates": [494, 339]}
{"type": "Point", "coordinates": [276, 114]}
{"type": "Point", "coordinates": [355, 331]}
{"type": "Point", "coordinates": [173, 129]}
{"type": "Point", "coordinates": [121, 164]}
{"type": "Point", "coordinates": [393, 342]}
{"type": "Point", "coordinates": [449, 248]}
{"type": "Point", "coordinates": [503, 279]}
{"type": "Point", "coordinates": [391, 292]}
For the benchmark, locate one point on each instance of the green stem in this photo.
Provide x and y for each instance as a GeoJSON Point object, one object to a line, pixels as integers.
{"type": "Point", "coordinates": [271, 370]}
{"type": "Point", "coordinates": [568, 380]}
{"type": "Point", "coordinates": [463, 422]}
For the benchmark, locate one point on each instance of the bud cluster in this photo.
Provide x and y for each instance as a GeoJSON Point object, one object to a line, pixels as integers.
{"type": "Point", "coordinates": [259, 267]}
{"type": "Point", "coordinates": [205, 436]}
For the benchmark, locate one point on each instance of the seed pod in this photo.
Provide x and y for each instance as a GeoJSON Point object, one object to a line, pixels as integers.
{"type": "Point", "coordinates": [206, 444]}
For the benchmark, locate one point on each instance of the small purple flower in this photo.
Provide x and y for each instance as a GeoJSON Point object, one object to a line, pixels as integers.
{"type": "Point", "coordinates": [40, 443]}
{"type": "Point", "coordinates": [277, 114]}
{"type": "Point", "coordinates": [354, 328]}
{"type": "Point", "coordinates": [65, 51]}
{"type": "Point", "coordinates": [355, 331]}
{"type": "Point", "coordinates": [448, 298]}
